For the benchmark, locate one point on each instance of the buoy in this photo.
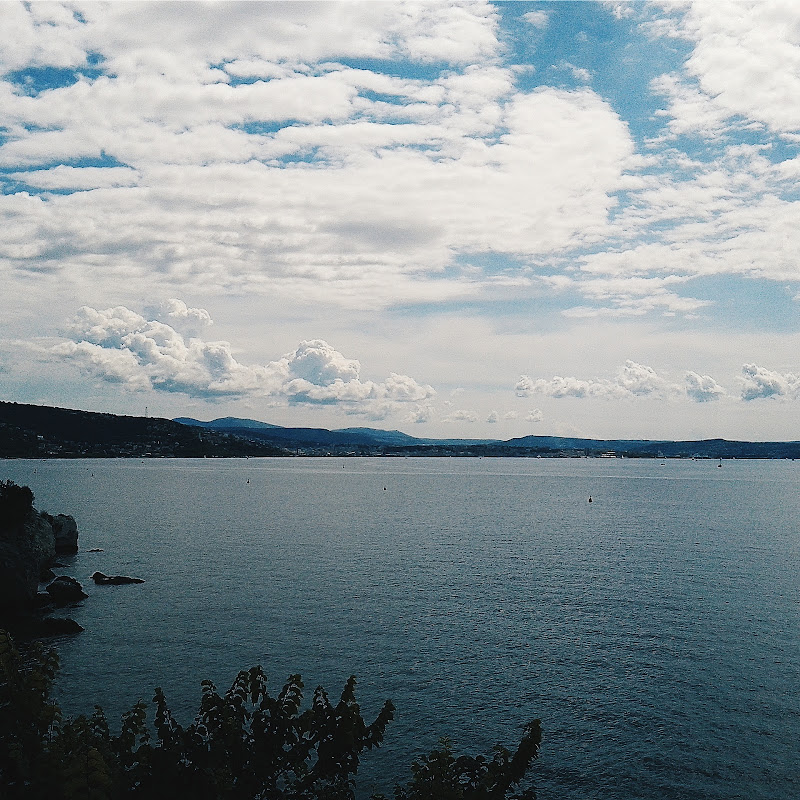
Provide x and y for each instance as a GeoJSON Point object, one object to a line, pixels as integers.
{"type": "Point", "coordinates": [590, 498]}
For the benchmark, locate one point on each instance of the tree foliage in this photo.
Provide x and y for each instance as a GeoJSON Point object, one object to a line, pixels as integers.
{"type": "Point", "coordinates": [444, 776]}
{"type": "Point", "coordinates": [244, 744]}
{"type": "Point", "coordinates": [16, 502]}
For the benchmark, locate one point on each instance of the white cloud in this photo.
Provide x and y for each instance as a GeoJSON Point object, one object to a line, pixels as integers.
{"type": "Point", "coordinates": [421, 414]}
{"type": "Point", "coordinates": [759, 382]}
{"type": "Point", "coordinates": [579, 73]}
{"type": "Point", "coordinates": [298, 181]}
{"type": "Point", "coordinates": [493, 417]}
{"type": "Point", "coordinates": [535, 415]}
{"type": "Point", "coordinates": [690, 110]}
{"type": "Point", "coordinates": [461, 415]}
{"type": "Point", "coordinates": [189, 321]}
{"type": "Point", "coordinates": [121, 346]}
{"type": "Point", "coordinates": [639, 380]}
{"type": "Point", "coordinates": [631, 380]}
{"type": "Point", "coordinates": [703, 388]}
{"type": "Point", "coordinates": [537, 19]}
{"type": "Point", "coordinates": [524, 386]}
{"type": "Point", "coordinates": [745, 61]}
{"type": "Point", "coordinates": [620, 10]}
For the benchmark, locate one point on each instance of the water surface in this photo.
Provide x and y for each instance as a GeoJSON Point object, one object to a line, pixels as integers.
{"type": "Point", "coordinates": [654, 631]}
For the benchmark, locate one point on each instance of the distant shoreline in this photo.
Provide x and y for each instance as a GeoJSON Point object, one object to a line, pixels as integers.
{"type": "Point", "coordinates": [45, 432]}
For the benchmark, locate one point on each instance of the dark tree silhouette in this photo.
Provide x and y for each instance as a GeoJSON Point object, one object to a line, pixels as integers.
{"type": "Point", "coordinates": [243, 745]}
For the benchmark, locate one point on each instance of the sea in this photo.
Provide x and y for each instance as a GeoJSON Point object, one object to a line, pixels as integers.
{"type": "Point", "coordinates": [655, 631]}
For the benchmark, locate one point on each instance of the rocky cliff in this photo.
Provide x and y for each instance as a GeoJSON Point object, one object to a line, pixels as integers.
{"type": "Point", "coordinates": [29, 542]}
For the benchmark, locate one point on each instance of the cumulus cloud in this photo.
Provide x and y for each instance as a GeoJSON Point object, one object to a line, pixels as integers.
{"type": "Point", "coordinates": [759, 383]}
{"type": "Point", "coordinates": [493, 417]}
{"type": "Point", "coordinates": [421, 413]}
{"type": "Point", "coordinates": [631, 380]}
{"type": "Point", "coordinates": [121, 346]}
{"type": "Point", "coordinates": [524, 386]}
{"type": "Point", "coordinates": [703, 388]}
{"type": "Point", "coordinates": [461, 415]}
{"type": "Point", "coordinates": [189, 321]}
{"type": "Point", "coordinates": [535, 415]}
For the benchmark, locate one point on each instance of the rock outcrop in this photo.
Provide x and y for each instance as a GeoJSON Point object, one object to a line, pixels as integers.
{"type": "Point", "coordinates": [65, 531]}
{"type": "Point", "coordinates": [65, 590]}
{"type": "Point", "coordinates": [26, 551]}
{"type": "Point", "coordinates": [113, 580]}
{"type": "Point", "coordinates": [28, 546]}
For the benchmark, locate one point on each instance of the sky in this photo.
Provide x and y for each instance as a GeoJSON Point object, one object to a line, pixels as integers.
{"type": "Point", "coordinates": [459, 220]}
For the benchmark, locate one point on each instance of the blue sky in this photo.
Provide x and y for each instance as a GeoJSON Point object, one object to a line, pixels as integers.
{"type": "Point", "coordinates": [456, 219]}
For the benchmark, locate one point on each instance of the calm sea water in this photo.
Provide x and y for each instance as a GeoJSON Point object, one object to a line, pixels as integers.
{"type": "Point", "coordinates": [654, 631]}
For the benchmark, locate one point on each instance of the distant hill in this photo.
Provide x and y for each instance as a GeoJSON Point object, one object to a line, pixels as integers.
{"type": "Point", "coordinates": [322, 437]}
{"type": "Point", "coordinates": [372, 440]}
{"type": "Point", "coordinates": [29, 431]}
{"type": "Point", "coordinates": [224, 423]}
{"type": "Point", "coordinates": [643, 448]}
{"type": "Point", "coordinates": [319, 438]}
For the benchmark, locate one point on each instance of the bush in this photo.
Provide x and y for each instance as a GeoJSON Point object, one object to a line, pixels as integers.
{"type": "Point", "coordinates": [243, 745]}
{"type": "Point", "coordinates": [16, 502]}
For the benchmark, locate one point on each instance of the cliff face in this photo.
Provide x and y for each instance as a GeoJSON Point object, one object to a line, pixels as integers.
{"type": "Point", "coordinates": [27, 549]}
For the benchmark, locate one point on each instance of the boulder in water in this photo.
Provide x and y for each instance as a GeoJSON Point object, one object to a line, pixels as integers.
{"type": "Point", "coordinates": [113, 580]}
{"type": "Point", "coordinates": [58, 626]}
{"type": "Point", "coordinates": [66, 590]}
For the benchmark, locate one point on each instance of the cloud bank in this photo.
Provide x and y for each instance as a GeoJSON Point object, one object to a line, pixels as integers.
{"type": "Point", "coordinates": [631, 380]}
{"type": "Point", "coordinates": [121, 346]}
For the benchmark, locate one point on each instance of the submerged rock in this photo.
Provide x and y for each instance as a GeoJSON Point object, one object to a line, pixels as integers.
{"type": "Point", "coordinates": [113, 580]}
{"type": "Point", "coordinates": [66, 590]}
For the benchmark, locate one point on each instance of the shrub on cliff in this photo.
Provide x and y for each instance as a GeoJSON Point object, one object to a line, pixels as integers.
{"type": "Point", "coordinates": [16, 502]}
{"type": "Point", "coordinates": [243, 745]}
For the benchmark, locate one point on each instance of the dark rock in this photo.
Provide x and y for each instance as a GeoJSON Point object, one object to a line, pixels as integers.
{"type": "Point", "coordinates": [113, 580]}
{"type": "Point", "coordinates": [26, 548]}
{"type": "Point", "coordinates": [42, 600]}
{"type": "Point", "coordinates": [28, 541]}
{"type": "Point", "coordinates": [57, 626]}
{"type": "Point", "coordinates": [95, 550]}
{"type": "Point", "coordinates": [36, 627]}
{"type": "Point", "coordinates": [66, 590]}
